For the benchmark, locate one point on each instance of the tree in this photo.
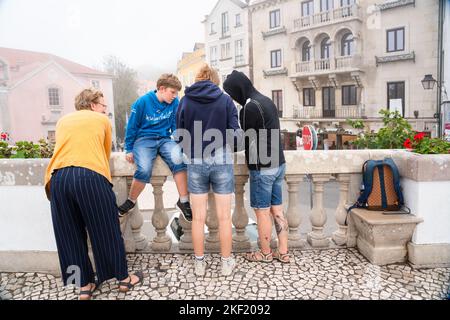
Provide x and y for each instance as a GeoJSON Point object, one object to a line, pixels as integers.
{"type": "Point", "coordinates": [125, 88]}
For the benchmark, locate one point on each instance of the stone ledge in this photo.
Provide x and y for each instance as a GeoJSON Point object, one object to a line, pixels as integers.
{"type": "Point", "coordinates": [383, 239]}
{"type": "Point", "coordinates": [429, 256]}
{"type": "Point", "coordinates": [30, 261]}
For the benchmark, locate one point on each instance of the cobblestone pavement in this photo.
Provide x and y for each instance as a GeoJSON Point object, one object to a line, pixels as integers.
{"type": "Point", "coordinates": [313, 274]}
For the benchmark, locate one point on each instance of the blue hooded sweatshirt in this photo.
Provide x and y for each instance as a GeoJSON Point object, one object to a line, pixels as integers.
{"type": "Point", "coordinates": [206, 103]}
{"type": "Point", "coordinates": [150, 118]}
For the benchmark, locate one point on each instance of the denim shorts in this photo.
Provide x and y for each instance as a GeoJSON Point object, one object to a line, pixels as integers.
{"type": "Point", "coordinates": [266, 187]}
{"type": "Point", "coordinates": [145, 152]}
{"type": "Point", "coordinates": [202, 177]}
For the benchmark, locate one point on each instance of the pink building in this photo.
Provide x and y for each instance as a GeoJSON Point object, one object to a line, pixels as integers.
{"type": "Point", "coordinates": [37, 89]}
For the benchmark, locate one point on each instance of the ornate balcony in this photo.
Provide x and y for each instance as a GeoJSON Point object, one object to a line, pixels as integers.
{"type": "Point", "coordinates": [324, 66]}
{"type": "Point", "coordinates": [342, 14]}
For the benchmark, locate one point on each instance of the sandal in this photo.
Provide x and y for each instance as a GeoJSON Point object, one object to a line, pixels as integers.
{"type": "Point", "coordinates": [259, 256]}
{"type": "Point", "coordinates": [130, 285]}
{"type": "Point", "coordinates": [283, 258]}
{"type": "Point", "coordinates": [89, 293]}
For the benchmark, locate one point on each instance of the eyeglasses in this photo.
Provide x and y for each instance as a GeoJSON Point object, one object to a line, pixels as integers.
{"type": "Point", "coordinates": [103, 105]}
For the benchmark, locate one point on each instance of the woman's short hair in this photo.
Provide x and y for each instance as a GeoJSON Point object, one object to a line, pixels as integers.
{"type": "Point", "coordinates": [86, 97]}
{"type": "Point", "coordinates": [207, 73]}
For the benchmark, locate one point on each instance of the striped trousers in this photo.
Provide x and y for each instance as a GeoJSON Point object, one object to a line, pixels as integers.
{"type": "Point", "coordinates": [82, 203]}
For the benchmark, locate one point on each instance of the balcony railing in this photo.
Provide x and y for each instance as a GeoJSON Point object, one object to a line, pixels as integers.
{"type": "Point", "coordinates": [342, 112]}
{"type": "Point", "coordinates": [336, 15]}
{"type": "Point", "coordinates": [327, 65]}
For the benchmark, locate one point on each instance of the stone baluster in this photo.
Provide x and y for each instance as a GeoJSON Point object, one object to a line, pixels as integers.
{"type": "Point", "coordinates": [340, 236]}
{"type": "Point", "coordinates": [294, 216]}
{"type": "Point", "coordinates": [162, 242]}
{"type": "Point", "coordinates": [131, 225]}
{"type": "Point", "coordinates": [212, 239]}
{"type": "Point", "coordinates": [240, 216]}
{"type": "Point", "coordinates": [186, 239]}
{"type": "Point", "coordinates": [317, 237]}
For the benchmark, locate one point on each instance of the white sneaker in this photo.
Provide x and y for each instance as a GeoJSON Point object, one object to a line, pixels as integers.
{"type": "Point", "coordinates": [200, 267]}
{"type": "Point", "coordinates": [228, 267]}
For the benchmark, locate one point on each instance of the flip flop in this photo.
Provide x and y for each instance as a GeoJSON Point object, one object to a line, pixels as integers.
{"type": "Point", "coordinates": [130, 285]}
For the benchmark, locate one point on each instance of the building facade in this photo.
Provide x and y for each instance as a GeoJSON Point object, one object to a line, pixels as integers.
{"type": "Point", "coordinates": [227, 43]}
{"type": "Point", "coordinates": [326, 61]}
{"type": "Point", "coordinates": [37, 89]}
{"type": "Point", "coordinates": [189, 65]}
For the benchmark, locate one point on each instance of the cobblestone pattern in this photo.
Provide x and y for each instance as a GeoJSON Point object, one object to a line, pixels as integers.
{"type": "Point", "coordinates": [316, 274]}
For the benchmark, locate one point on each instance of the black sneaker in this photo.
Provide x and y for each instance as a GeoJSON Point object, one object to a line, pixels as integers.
{"type": "Point", "coordinates": [125, 208]}
{"type": "Point", "coordinates": [185, 210]}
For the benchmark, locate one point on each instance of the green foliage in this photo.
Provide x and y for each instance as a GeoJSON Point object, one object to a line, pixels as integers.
{"type": "Point", "coordinates": [6, 150]}
{"type": "Point", "coordinates": [431, 146]}
{"type": "Point", "coordinates": [392, 136]}
{"type": "Point", "coordinates": [26, 150]}
{"type": "Point", "coordinates": [46, 149]}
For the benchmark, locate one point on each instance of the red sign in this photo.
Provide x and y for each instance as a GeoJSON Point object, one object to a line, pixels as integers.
{"type": "Point", "coordinates": [308, 142]}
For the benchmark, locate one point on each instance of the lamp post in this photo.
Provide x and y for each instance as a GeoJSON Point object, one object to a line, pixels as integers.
{"type": "Point", "coordinates": [429, 83]}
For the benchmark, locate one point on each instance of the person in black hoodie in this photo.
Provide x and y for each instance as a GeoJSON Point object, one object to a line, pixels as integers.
{"type": "Point", "coordinates": [206, 112]}
{"type": "Point", "coordinates": [265, 159]}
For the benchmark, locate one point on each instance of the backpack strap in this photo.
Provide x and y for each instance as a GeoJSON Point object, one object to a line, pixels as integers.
{"type": "Point", "coordinates": [389, 162]}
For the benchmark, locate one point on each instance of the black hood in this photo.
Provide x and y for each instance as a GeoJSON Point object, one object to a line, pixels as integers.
{"type": "Point", "coordinates": [239, 87]}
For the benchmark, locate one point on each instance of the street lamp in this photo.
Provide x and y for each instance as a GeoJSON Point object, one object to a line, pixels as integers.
{"type": "Point", "coordinates": [429, 82]}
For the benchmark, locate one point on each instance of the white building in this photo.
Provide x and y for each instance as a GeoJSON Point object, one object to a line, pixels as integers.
{"type": "Point", "coordinates": [227, 37]}
{"type": "Point", "coordinates": [324, 61]}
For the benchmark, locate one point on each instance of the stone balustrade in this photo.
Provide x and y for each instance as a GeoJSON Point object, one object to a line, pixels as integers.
{"type": "Point", "coordinates": [26, 232]}
{"type": "Point", "coordinates": [321, 167]}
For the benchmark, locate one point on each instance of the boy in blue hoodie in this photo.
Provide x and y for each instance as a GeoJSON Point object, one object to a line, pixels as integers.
{"type": "Point", "coordinates": [150, 132]}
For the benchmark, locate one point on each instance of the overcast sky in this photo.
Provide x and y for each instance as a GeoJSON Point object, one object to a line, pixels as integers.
{"type": "Point", "coordinates": [140, 32]}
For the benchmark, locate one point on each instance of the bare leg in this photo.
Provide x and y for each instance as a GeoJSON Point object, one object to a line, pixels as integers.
{"type": "Point", "coordinates": [223, 209]}
{"type": "Point", "coordinates": [181, 182]}
{"type": "Point", "coordinates": [264, 229]}
{"type": "Point", "coordinates": [199, 204]}
{"type": "Point", "coordinates": [282, 227]}
{"type": "Point", "coordinates": [136, 189]}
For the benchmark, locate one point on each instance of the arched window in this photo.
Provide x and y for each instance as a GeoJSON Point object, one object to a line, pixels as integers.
{"type": "Point", "coordinates": [347, 45]}
{"type": "Point", "coordinates": [325, 47]}
{"type": "Point", "coordinates": [306, 51]}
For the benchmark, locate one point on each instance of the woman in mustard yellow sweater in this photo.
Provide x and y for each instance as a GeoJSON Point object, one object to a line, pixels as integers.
{"type": "Point", "coordinates": [78, 184]}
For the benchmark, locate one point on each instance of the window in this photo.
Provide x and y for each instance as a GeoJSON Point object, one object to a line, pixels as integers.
{"type": "Point", "coordinates": [309, 97]}
{"type": "Point", "coordinates": [347, 45]}
{"type": "Point", "coordinates": [396, 90]}
{"type": "Point", "coordinates": [275, 19]}
{"type": "Point", "coordinates": [238, 20]}
{"type": "Point", "coordinates": [349, 97]}
{"type": "Point", "coordinates": [51, 136]}
{"type": "Point", "coordinates": [277, 98]}
{"type": "Point", "coordinates": [306, 51]}
{"type": "Point", "coordinates": [326, 5]}
{"type": "Point", "coordinates": [226, 53]}
{"type": "Point", "coordinates": [95, 84]}
{"type": "Point", "coordinates": [213, 56]}
{"type": "Point", "coordinates": [395, 40]}
{"type": "Point", "coordinates": [275, 59]}
{"type": "Point", "coordinates": [347, 10]}
{"type": "Point", "coordinates": [53, 97]}
{"type": "Point", "coordinates": [239, 52]}
{"type": "Point", "coordinates": [213, 28]}
{"type": "Point", "coordinates": [3, 71]}
{"type": "Point", "coordinates": [225, 25]}
{"type": "Point", "coordinates": [325, 47]}
{"type": "Point", "coordinates": [307, 8]}
{"type": "Point", "coordinates": [328, 100]}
